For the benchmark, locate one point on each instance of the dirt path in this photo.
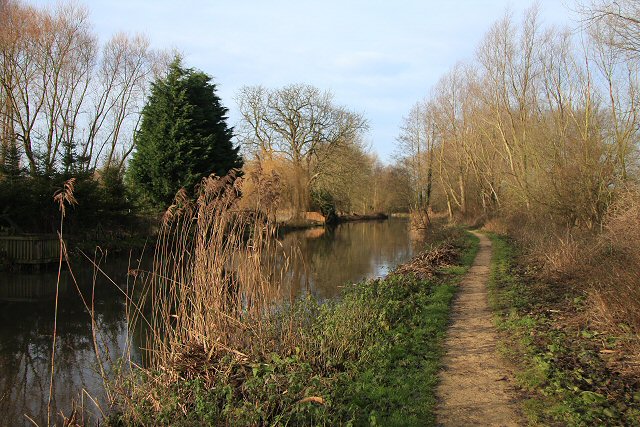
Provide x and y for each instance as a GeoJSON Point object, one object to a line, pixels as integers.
{"type": "Point", "coordinates": [475, 385]}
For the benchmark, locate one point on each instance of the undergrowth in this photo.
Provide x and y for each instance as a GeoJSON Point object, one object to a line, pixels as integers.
{"type": "Point", "coordinates": [369, 358]}
{"type": "Point", "coordinates": [561, 363]}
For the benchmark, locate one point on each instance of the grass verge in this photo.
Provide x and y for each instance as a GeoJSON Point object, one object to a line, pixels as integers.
{"type": "Point", "coordinates": [561, 362]}
{"type": "Point", "coordinates": [370, 358]}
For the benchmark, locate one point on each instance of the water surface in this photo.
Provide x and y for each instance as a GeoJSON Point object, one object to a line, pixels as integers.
{"type": "Point", "coordinates": [329, 259]}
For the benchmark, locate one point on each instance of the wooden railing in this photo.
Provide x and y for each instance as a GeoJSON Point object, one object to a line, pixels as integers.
{"type": "Point", "coordinates": [30, 249]}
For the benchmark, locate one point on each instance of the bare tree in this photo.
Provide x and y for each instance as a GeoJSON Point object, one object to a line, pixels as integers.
{"type": "Point", "coordinates": [21, 78]}
{"type": "Point", "coordinates": [537, 125]}
{"type": "Point", "coordinates": [619, 74]}
{"type": "Point", "coordinates": [510, 62]}
{"type": "Point", "coordinates": [300, 124]}
{"type": "Point", "coordinates": [622, 17]}
{"type": "Point", "coordinates": [64, 100]}
{"type": "Point", "coordinates": [415, 149]}
{"type": "Point", "coordinates": [125, 69]}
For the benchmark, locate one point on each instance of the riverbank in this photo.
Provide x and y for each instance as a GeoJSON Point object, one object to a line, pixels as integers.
{"type": "Point", "coordinates": [378, 216]}
{"type": "Point", "coordinates": [315, 219]}
{"type": "Point", "coordinates": [371, 357]}
{"type": "Point", "coordinates": [569, 371]}
{"type": "Point", "coordinates": [119, 242]}
{"type": "Point", "coordinates": [326, 260]}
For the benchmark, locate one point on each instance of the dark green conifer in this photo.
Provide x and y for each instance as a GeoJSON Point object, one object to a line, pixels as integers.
{"type": "Point", "coordinates": [183, 137]}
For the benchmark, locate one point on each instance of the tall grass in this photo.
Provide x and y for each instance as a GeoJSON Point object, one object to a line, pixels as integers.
{"type": "Point", "coordinates": [62, 197]}
{"type": "Point", "coordinates": [213, 293]}
{"type": "Point", "coordinates": [615, 263]}
{"type": "Point", "coordinates": [216, 275]}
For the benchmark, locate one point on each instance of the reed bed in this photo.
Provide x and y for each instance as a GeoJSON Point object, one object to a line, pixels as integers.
{"type": "Point", "coordinates": [250, 357]}
{"type": "Point", "coordinates": [213, 294]}
{"type": "Point", "coordinates": [217, 274]}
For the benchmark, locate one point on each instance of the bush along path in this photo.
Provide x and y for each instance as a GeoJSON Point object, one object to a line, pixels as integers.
{"type": "Point", "coordinates": [566, 366]}
{"type": "Point", "coordinates": [475, 385]}
{"type": "Point", "coordinates": [370, 358]}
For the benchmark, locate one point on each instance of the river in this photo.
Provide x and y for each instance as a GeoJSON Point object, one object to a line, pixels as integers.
{"type": "Point", "coordinates": [330, 258]}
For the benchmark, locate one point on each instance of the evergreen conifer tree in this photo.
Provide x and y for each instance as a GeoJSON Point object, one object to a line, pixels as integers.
{"type": "Point", "coordinates": [10, 167]}
{"type": "Point", "coordinates": [183, 137]}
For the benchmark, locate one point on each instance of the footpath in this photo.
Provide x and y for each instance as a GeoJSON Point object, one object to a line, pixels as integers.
{"type": "Point", "coordinates": [475, 385]}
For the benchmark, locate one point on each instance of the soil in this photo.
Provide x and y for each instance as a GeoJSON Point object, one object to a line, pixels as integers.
{"type": "Point", "coordinates": [475, 386]}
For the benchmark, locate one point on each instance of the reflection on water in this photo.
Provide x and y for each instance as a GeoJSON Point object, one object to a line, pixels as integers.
{"type": "Point", "coordinates": [348, 253]}
{"type": "Point", "coordinates": [26, 327]}
{"type": "Point", "coordinates": [329, 259]}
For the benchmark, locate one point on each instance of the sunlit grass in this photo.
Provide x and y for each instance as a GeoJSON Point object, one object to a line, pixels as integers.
{"type": "Point", "coordinates": [371, 357]}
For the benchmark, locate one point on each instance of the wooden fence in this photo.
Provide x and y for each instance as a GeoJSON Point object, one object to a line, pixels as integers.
{"type": "Point", "coordinates": [30, 249]}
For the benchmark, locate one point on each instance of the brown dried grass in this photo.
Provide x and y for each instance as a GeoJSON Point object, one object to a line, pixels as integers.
{"type": "Point", "coordinates": [218, 278]}
{"type": "Point", "coordinates": [217, 273]}
{"type": "Point", "coordinates": [615, 269]}
{"type": "Point", "coordinates": [496, 225]}
{"type": "Point", "coordinates": [603, 263]}
{"type": "Point", "coordinates": [212, 295]}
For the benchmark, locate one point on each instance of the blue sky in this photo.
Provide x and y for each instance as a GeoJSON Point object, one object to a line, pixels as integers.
{"type": "Point", "coordinates": [377, 57]}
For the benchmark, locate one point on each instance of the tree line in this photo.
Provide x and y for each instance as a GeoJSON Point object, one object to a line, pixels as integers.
{"type": "Point", "coordinates": [68, 102]}
{"type": "Point", "coordinates": [69, 107]}
{"type": "Point", "coordinates": [134, 125]}
{"type": "Point", "coordinates": [541, 123]}
{"type": "Point", "coordinates": [317, 150]}
{"type": "Point", "coordinates": [537, 137]}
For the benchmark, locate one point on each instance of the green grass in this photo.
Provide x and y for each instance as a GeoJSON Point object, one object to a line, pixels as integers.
{"type": "Point", "coordinates": [560, 370]}
{"type": "Point", "coordinates": [372, 357]}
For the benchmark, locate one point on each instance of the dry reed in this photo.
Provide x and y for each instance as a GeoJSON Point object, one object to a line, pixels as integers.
{"type": "Point", "coordinates": [62, 197]}
{"type": "Point", "coordinates": [217, 273]}
{"type": "Point", "coordinates": [615, 270]}
{"type": "Point", "coordinates": [214, 290]}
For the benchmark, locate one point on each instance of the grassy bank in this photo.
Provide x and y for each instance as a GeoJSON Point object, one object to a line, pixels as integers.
{"type": "Point", "coordinates": [565, 366]}
{"type": "Point", "coordinates": [370, 358]}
